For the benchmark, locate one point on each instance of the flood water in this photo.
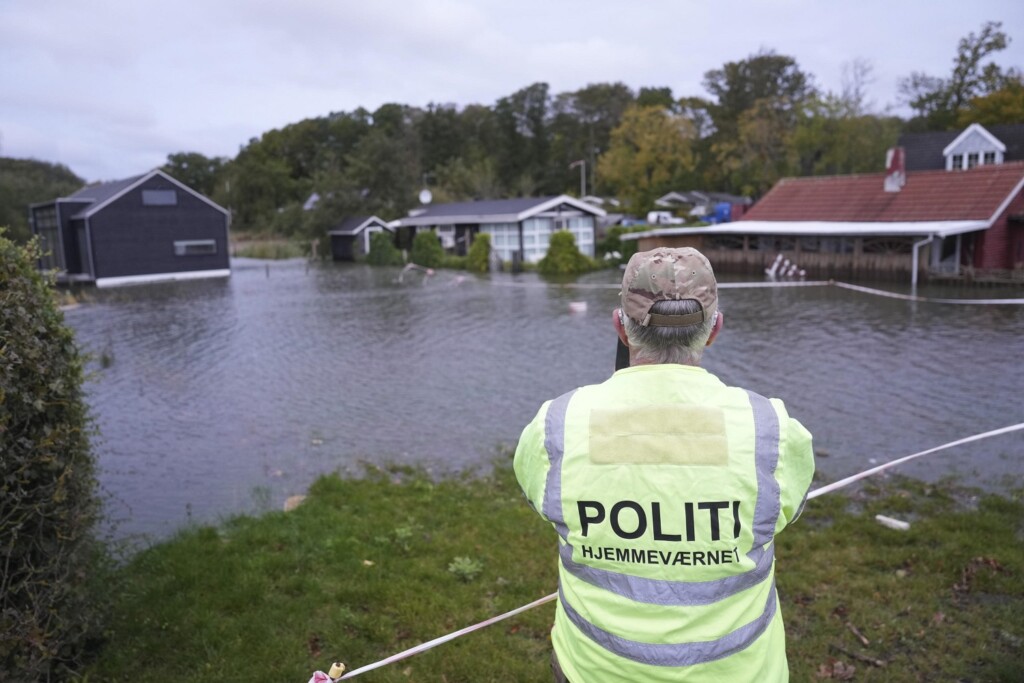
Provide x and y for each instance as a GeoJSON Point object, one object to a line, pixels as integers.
{"type": "Point", "coordinates": [222, 397]}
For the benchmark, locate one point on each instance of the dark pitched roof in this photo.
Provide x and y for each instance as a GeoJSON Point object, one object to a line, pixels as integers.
{"type": "Point", "coordinates": [1011, 135]}
{"type": "Point", "coordinates": [483, 207]}
{"type": "Point", "coordinates": [924, 150]}
{"type": "Point", "coordinates": [98, 196]}
{"type": "Point", "coordinates": [975, 194]}
{"type": "Point", "coordinates": [493, 210]}
{"type": "Point", "coordinates": [102, 191]}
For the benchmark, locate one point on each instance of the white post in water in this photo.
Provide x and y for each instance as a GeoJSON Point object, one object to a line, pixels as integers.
{"type": "Point", "coordinates": [915, 261]}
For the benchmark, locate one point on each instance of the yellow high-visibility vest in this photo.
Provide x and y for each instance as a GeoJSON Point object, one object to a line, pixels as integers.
{"type": "Point", "coordinates": [666, 488]}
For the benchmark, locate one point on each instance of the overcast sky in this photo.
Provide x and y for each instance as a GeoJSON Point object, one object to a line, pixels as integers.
{"type": "Point", "coordinates": [111, 87]}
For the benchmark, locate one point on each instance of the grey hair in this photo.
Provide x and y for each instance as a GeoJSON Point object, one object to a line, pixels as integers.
{"type": "Point", "coordinates": [681, 345]}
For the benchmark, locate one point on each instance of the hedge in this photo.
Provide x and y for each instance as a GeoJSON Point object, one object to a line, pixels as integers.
{"type": "Point", "coordinates": [479, 257]}
{"type": "Point", "coordinates": [49, 608]}
{"type": "Point", "coordinates": [383, 251]}
{"type": "Point", "coordinates": [563, 258]}
{"type": "Point", "coordinates": [426, 250]}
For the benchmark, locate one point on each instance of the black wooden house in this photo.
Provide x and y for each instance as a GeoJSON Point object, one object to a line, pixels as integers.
{"type": "Point", "coordinates": [142, 229]}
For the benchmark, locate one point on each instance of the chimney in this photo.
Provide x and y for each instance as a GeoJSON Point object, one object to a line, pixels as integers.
{"type": "Point", "coordinates": [895, 169]}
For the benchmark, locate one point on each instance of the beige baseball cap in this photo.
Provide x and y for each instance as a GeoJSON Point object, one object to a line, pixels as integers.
{"type": "Point", "coordinates": [665, 274]}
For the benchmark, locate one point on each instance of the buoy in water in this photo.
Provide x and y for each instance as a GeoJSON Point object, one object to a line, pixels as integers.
{"type": "Point", "coordinates": [577, 306]}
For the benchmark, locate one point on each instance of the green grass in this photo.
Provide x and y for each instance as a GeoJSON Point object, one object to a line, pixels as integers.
{"type": "Point", "coordinates": [365, 568]}
{"type": "Point", "coordinates": [269, 249]}
{"type": "Point", "coordinates": [906, 592]}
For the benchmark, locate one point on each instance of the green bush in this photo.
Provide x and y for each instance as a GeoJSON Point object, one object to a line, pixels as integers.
{"type": "Point", "coordinates": [453, 262]}
{"type": "Point", "coordinates": [49, 606]}
{"type": "Point", "coordinates": [426, 250]}
{"type": "Point", "coordinates": [478, 260]}
{"type": "Point", "coordinates": [383, 251]}
{"type": "Point", "coordinates": [563, 258]}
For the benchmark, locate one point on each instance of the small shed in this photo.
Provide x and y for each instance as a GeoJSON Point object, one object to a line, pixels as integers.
{"type": "Point", "coordinates": [146, 228]}
{"type": "Point", "coordinates": [350, 240]}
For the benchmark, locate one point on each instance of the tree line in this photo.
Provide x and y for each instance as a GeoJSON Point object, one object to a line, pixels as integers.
{"type": "Point", "coordinates": [763, 118]}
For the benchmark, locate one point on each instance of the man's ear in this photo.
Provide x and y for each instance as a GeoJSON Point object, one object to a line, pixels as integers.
{"type": "Point", "coordinates": [716, 327]}
{"type": "Point", "coordinates": [620, 329]}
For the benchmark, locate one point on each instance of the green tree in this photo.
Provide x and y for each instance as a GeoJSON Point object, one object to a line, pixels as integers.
{"type": "Point", "coordinates": [426, 250]}
{"type": "Point", "coordinates": [199, 172]}
{"type": "Point", "coordinates": [598, 108]}
{"type": "Point", "coordinates": [830, 138]}
{"type": "Point", "coordinates": [649, 154]}
{"type": "Point", "coordinates": [479, 125]}
{"type": "Point", "coordinates": [27, 181]}
{"type": "Point", "coordinates": [939, 101]}
{"type": "Point", "coordinates": [563, 257]}
{"type": "Point", "coordinates": [478, 260]}
{"type": "Point", "coordinates": [522, 140]}
{"type": "Point", "coordinates": [762, 151]}
{"type": "Point", "coordinates": [257, 185]}
{"type": "Point", "coordinates": [465, 179]}
{"type": "Point", "coordinates": [49, 604]}
{"type": "Point", "coordinates": [766, 86]}
{"type": "Point", "coordinates": [383, 251]}
{"type": "Point", "coordinates": [706, 173]}
{"type": "Point", "coordinates": [656, 97]}
{"type": "Point", "coordinates": [1002, 106]}
{"type": "Point", "coordinates": [764, 77]}
{"type": "Point", "coordinates": [441, 139]}
{"type": "Point", "coordinates": [384, 165]}
{"type": "Point", "coordinates": [343, 132]}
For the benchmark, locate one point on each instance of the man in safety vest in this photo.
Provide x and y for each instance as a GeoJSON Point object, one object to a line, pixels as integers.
{"type": "Point", "coordinates": [666, 488]}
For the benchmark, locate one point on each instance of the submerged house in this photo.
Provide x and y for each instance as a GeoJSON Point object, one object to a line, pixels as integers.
{"type": "Point", "coordinates": [936, 222]}
{"type": "Point", "coordinates": [520, 229]}
{"type": "Point", "coordinates": [142, 229]}
{"type": "Point", "coordinates": [350, 239]}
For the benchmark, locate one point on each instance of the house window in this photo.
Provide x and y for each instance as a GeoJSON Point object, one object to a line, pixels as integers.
{"type": "Point", "coordinates": [49, 239]}
{"type": "Point", "coordinates": [972, 160]}
{"type": "Point", "coordinates": [990, 158]}
{"type": "Point", "coordinates": [195, 247]}
{"type": "Point", "coordinates": [159, 198]}
{"type": "Point", "coordinates": [504, 238]}
{"type": "Point", "coordinates": [958, 162]}
{"type": "Point", "coordinates": [583, 230]}
{"type": "Point", "coordinates": [536, 237]}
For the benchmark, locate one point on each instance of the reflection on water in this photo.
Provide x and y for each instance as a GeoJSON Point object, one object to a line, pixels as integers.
{"type": "Point", "coordinates": [226, 394]}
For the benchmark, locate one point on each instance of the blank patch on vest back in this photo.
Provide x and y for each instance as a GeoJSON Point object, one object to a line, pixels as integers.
{"type": "Point", "coordinates": [652, 435]}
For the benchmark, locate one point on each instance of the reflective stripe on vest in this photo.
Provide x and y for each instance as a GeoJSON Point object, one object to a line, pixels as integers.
{"type": "Point", "coordinates": [766, 459]}
{"type": "Point", "coordinates": [660, 591]}
{"type": "Point", "coordinates": [675, 654]}
{"type": "Point", "coordinates": [554, 444]}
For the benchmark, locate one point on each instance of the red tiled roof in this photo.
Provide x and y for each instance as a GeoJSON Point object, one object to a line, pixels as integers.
{"type": "Point", "coordinates": [927, 196]}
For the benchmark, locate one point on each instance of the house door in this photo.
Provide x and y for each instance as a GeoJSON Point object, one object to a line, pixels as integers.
{"type": "Point", "coordinates": [84, 251]}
